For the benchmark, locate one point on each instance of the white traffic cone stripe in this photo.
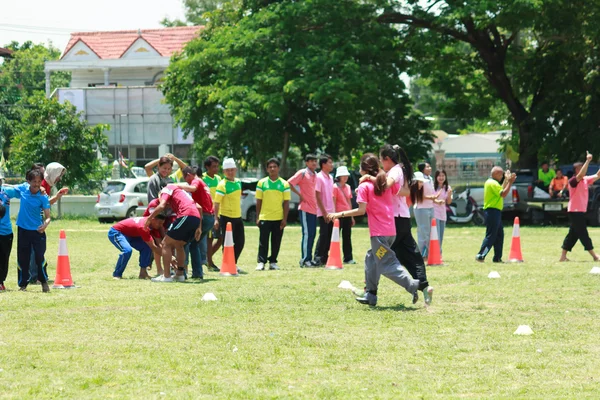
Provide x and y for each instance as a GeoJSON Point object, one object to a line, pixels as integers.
{"type": "Point", "coordinates": [62, 247]}
{"type": "Point", "coordinates": [516, 230]}
{"type": "Point", "coordinates": [228, 239]}
{"type": "Point", "coordinates": [335, 235]}
{"type": "Point", "coordinates": [434, 233]}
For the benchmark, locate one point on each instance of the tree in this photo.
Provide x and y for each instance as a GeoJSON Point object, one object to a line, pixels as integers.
{"type": "Point", "coordinates": [49, 131]}
{"type": "Point", "coordinates": [194, 13]}
{"type": "Point", "coordinates": [539, 58]}
{"type": "Point", "coordinates": [22, 76]}
{"type": "Point", "coordinates": [317, 74]}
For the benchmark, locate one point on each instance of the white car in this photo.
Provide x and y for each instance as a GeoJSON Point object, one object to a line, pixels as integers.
{"type": "Point", "coordinates": [121, 197]}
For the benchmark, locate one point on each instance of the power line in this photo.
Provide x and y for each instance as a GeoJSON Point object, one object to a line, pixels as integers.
{"type": "Point", "coordinates": [35, 33]}
{"type": "Point", "coordinates": [42, 28]}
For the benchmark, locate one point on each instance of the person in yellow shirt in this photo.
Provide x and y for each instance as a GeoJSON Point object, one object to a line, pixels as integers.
{"type": "Point", "coordinates": [228, 196]}
{"type": "Point", "coordinates": [212, 179]}
{"type": "Point", "coordinates": [272, 207]}
{"type": "Point", "coordinates": [493, 202]}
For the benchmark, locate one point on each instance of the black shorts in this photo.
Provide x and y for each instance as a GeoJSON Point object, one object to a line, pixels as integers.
{"type": "Point", "coordinates": [184, 228]}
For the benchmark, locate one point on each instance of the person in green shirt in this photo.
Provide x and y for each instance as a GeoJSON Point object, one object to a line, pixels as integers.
{"type": "Point", "coordinates": [493, 201]}
{"type": "Point", "coordinates": [212, 179]}
{"type": "Point", "coordinates": [272, 206]}
{"type": "Point", "coordinates": [545, 176]}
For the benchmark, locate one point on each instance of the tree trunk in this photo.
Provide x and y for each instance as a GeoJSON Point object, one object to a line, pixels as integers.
{"type": "Point", "coordinates": [285, 150]}
{"type": "Point", "coordinates": [527, 149]}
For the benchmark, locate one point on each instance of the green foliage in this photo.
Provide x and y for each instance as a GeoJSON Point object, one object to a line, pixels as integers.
{"type": "Point", "coordinates": [195, 11]}
{"type": "Point", "coordinates": [50, 131]}
{"type": "Point", "coordinates": [318, 74]}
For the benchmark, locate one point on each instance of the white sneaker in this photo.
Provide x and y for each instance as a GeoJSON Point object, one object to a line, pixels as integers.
{"type": "Point", "coordinates": [428, 295]}
{"type": "Point", "coordinates": [178, 278]}
{"type": "Point", "coordinates": [162, 278]}
{"type": "Point", "coordinates": [273, 266]}
{"type": "Point", "coordinates": [260, 266]}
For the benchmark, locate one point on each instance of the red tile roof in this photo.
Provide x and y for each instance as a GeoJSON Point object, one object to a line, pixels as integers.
{"type": "Point", "coordinates": [112, 45]}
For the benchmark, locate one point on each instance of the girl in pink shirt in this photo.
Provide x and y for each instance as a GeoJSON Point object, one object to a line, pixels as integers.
{"type": "Point", "coordinates": [377, 200]}
{"type": "Point", "coordinates": [342, 195]}
{"type": "Point", "coordinates": [423, 209]}
{"type": "Point", "coordinates": [444, 192]}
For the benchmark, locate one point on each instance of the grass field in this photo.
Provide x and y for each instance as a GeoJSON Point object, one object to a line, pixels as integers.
{"type": "Point", "coordinates": [293, 334]}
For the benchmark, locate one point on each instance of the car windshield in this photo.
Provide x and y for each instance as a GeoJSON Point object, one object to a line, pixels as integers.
{"type": "Point", "coordinates": [113, 187]}
{"type": "Point", "coordinates": [524, 176]}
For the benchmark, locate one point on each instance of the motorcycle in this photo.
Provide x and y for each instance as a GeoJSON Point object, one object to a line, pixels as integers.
{"type": "Point", "coordinates": [464, 209]}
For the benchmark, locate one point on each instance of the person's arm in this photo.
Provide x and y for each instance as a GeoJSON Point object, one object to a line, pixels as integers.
{"type": "Point", "coordinates": [258, 208]}
{"type": "Point", "coordinates": [43, 227]}
{"type": "Point", "coordinates": [508, 180]}
{"type": "Point", "coordinates": [149, 168]}
{"type": "Point", "coordinates": [159, 208]}
{"type": "Point", "coordinates": [181, 164]}
{"type": "Point", "coordinates": [217, 206]}
{"type": "Point", "coordinates": [449, 196]}
{"type": "Point", "coordinates": [58, 195]}
{"type": "Point", "coordinates": [357, 212]}
{"type": "Point", "coordinates": [293, 189]}
{"type": "Point", "coordinates": [583, 171]}
{"type": "Point", "coordinates": [155, 249]}
{"type": "Point", "coordinates": [597, 176]}
{"type": "Point", "coordinates": [286, 211]}
{"type": "Point", "coordinates": [187, 187]}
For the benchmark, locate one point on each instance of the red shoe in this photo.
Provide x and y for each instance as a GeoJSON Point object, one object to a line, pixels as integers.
{"type": "Point", "coordinates": [2, 287]}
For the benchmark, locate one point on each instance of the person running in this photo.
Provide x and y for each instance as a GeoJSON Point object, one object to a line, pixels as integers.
{"type": "Point", "coordinates": [201, 195]}
{"type": "Point", "coordinates": [185, 227]}
{"type": "Point", "coordinates": [161, 178]}
{"type": "Point", "coordinates": [272, 207]}
{"type": "Point", "coordinates": [342, 197]}
{"type": "Point", "coordinates": [131, 233]}
{"type": "Point", "coordinates": [325, 206]}
{"type": "Point", "coordinates": [423, 209]}
{"type": "Point", "coordinates": [444, 196]}
{"type": "Point", "coordinates": [306, 180]}
{"type": "Point", "coordinates": [377, 201]}
{"type": "Point", "coordinates": [578, 203]}
{"type": "Point", "coordinates": [228, 207]}
{"type": "Point", "coordinates": [493, 202]}
{"type": "Point", "coordinates": [6, 232]}
{"type": "Point", "coordinates": [31, 229]}
{"type": "Point", "coordinates": [210, 177]}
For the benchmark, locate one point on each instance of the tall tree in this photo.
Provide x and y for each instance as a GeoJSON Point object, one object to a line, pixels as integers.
{"type": "Point", "coordinates": [49, 131]}
{"type": "Point", "coordinates": [537, 57]}
{"type": "Point", "coordinates": [195, 11]}
{"type": "Point", "coordinates": [316, 74]}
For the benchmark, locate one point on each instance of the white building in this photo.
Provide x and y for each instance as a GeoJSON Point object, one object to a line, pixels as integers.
{"type": "Point", "coordinates": [113, 81]}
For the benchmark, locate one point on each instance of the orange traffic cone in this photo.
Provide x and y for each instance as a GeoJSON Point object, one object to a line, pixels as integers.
{"type": "Point", "coordinates": [228, 267]}
{"type": "Point", "coordinates": [434, 257]}
{"type": "Point", "coordinates": [334, 261]}
{"type": "Point", "coordinates": [515, 246]}
{"type": "Point", "coordinates": [63, 278]}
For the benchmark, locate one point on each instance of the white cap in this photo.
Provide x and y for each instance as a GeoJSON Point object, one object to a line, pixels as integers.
{"type": "Point", "coordinates": [418, 176]}
{"type": "Point", "coordinates": [228, 163]}
{"type": "Point", "coordinates": [342, 171]}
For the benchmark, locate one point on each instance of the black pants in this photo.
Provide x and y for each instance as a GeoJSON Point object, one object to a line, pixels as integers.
{"type": "Point", "coordinates": [577, 231]}
{"type": "Point", "coordinates": [407, 252]}
{"type": "Point", "coordinates": [5, 248]}
{"type": "Point", "coordinates": [269, 229]}
{"type": "Point", "coordinates": [346, 232]}
{"type": "Point", "coordinates": [494, 234]}
{"type": "Point", "coordinates": [27, 240]}
{"type": "Point", "coordinates": [324, 242]}
{"type": "Point", "coordinates": [237, 229]}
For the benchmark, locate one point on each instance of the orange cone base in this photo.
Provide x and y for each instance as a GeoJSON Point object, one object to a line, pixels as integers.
{"type": "Point", "coordinates": [333, 267]}
{"type": "Point", "coordinates": [63, 287]}
{"type": "Point", "coordinates": [514, 260]}
{"type": "Point", "coordinates": [228, 274]}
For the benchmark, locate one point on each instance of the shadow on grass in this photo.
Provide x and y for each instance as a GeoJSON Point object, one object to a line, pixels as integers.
{"type": "Point", "coordinates": [399, 307]}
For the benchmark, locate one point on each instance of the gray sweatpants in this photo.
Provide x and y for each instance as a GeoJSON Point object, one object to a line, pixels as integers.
{"type": "Point", "coordinates": [381, 260]}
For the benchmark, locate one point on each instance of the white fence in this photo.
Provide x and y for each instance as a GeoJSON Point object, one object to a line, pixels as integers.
{"type": "Point", "coordinates": [70, 205]}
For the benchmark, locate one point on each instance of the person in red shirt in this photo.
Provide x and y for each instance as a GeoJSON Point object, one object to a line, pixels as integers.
{"type": "Point", "coordinates": [130, 234]}
{"type": "Point", "coordinates": [201, 195]}
{"type": "Point", "coordinates": [169, 217]}
{"type": "Point", "coordinates": [185, 228]}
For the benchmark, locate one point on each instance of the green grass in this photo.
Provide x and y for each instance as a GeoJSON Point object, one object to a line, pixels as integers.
{"type": "Point", "coordinates": [293, 334]}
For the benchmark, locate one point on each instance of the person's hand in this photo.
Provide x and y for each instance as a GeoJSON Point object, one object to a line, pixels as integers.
{"type": "Point", "coordinates": [283, 224]}
{"type": "Point", "coordinates": [170, 156]}
{"type": "Point", "coordinates": [332, 216]}
{"type": "Point", "coordinates": [513, 177]}
{"type": "Point", "coordinates": [197, 234]}
{"type": "Point", "coordinates": [507, 174]}
{"type": "Point", "coordinates": [43, 190]}
{"type": "Point", "coordinates": [216, 225]}
{"type": "Point", "coordinates": [365, 178]}
{"type": "Point", "coordinates": [63, 191]}
{"type": "Point", "coordinates": [42, 228]}
{"type": "Point", "coordinates": [588, 156]}
{"type": "Point", "coordinates": [439, 201]}
{"type": "Point", "coordinates": [353, 222]}
{"type": "Point", "coordinates": [147, 224]}
{"type": "Point", "coordinates": [257, 222]}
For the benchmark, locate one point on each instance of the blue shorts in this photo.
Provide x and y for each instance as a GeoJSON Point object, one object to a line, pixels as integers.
{"type": "Point", "coordinates": [184, 228]}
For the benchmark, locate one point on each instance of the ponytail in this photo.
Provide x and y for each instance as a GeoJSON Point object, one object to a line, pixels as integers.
{"type": "Point", "coordinates": [407, 168]}
{"type": "Point", "coordinates": [370, 164]}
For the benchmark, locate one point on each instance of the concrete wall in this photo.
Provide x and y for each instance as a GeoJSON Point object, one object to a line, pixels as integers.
{"type": "Point", "coordinates": [71, 205]}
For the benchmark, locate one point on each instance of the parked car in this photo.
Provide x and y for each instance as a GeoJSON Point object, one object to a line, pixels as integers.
{"type": "Point", "coordinates": [120, 198]}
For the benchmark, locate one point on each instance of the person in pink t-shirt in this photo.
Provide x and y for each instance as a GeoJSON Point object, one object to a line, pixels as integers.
{"type": "Point", "coordinates": [578, 203]}
{"type": "Point", "coordinates": [306, 180]}
{"type": "Point", "coordinates": [423, 209]}
{"type": "Point", "coordinates": [185, 228]}
{"type": "Point", "coordinates": [444, 192]}
{"type": "Point", "coordinates": [342, 195]}
{"type": "Point", "coordinates": [325, 206]}
{"type": "Point", "coordinates": [376, 199]}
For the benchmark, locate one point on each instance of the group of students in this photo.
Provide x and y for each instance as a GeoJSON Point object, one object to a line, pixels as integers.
{"type": "Point", "coordinates": [32, 220]}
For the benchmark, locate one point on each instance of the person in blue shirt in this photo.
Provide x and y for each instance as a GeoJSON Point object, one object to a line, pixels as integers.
{"type": "Point", "coordinates": [31, 229]}
{"type": "Point", "coordinates": [6, 233]}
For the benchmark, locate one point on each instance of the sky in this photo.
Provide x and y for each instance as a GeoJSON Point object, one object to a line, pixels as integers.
{"type": "Point", "coordinates": [42, 21]}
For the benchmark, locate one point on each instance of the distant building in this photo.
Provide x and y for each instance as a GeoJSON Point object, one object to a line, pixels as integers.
{"type": "Point", "coordinates": [6, 53]}
{"type": "Point", "coordinates": [114, 77]}
{"type": "Point", "coordinates": [469, 157]}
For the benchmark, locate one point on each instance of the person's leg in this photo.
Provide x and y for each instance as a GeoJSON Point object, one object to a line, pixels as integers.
{"type": "Point", "coordinates": [491, 232]}
{"type": "Point", "coordinates": [305, 252]}
{"type": "Point", "coordinates": [276, 236]}
{"type": "Point", "coordinates": [325, 230]}
{"type": "Point", "coordinates": [121, 242]}
{"type": "Point", "coordinates": [158, 257]}
{"type": "Point", "coordinates": [346, 231]}
{"type": "Point", "coordinates": [407, 252]}
{"type": "Point", "coordinates": [23, 257]}
{"type": "Point", "coordinates": [441, 227]}
{"type": "Point", "coordinates": [208, 222]}
{"type": "Point", "coordinates": [263, 242]}
{"type": "Point", "coordinates": [6, 242]}
{"type": "Point", "coordinates": [389, 266]}
{"type": "Point", "coordinates": [39, 249]}
{"type": "Point", "coordinates": [33, 275]}
{"type": "Point", "coordinates": [239, 237]}
{"type": "Point", "coordinates": [571, 237]}
{"type": "Point", "coordinates": [145, 257]}
{"type": "Point", "coordinates": [311, 220]}
{"type": "Point", "coordinates": [499, 243]}
{"type": "Point", "coordinates": [195, 258]}
{"type": "Point", "coordinates": [580, 226]}
{"type": "Point", "coordinates": [421, 217]}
